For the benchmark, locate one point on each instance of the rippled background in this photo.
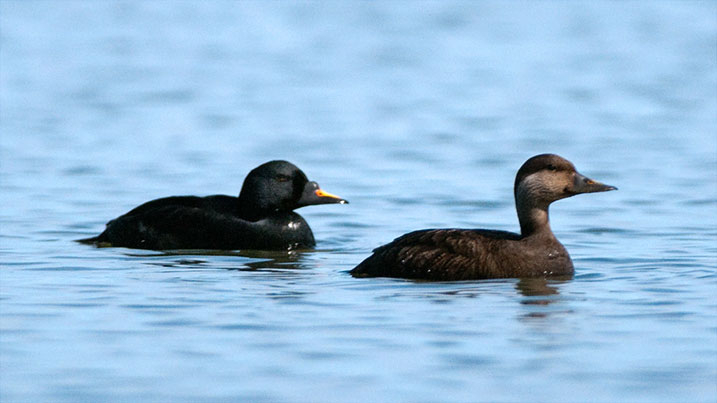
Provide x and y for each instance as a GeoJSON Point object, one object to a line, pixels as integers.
{"type": "Point", "coordinates": [419, 113]}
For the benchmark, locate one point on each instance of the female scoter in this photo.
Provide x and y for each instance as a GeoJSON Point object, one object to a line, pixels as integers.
{"type": "Point", "coordinates": [261, 217]}
{"type": "Point", "coordinates": [465, 254]}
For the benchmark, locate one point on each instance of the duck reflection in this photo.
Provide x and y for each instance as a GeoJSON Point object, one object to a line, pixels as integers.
{"type": "Point", "coordinates": [254, 259]}
{"type": "Point", "coordinates": [537, 294]}
{"type": "Point", "coordinates": [539, 291]}
{"type": "Point", "coordinates": [531, 291]}
{"type": "Point", "coordinates": [274, 260]}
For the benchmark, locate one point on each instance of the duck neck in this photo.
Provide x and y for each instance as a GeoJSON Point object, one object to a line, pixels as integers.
{"type": "Point", "coordinates": [534, 219]}
{"type": "Point", "coordinates": [250, 211]}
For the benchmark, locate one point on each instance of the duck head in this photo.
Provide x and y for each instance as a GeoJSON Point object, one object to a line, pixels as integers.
{"type": "Point", "coordinates": [280, 186]}
{"type": "Point", "coordinates": [544, 179]}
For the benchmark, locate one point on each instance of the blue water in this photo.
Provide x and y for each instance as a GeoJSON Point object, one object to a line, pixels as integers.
{"type": "Point", "coordinates": [419, 113]}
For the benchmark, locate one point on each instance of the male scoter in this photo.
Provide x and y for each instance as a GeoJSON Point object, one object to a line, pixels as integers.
{"type": "Point", "coordinates": [261, 217]}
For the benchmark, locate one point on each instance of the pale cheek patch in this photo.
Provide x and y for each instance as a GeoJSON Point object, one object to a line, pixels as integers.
{"type": "Point", "coordinates": [542, 186]}
{"type": "Point", "coordinates": [532, 184]}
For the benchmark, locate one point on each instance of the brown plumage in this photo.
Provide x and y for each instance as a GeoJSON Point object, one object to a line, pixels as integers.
{"type": "Point", "coordinates": [464, 254]}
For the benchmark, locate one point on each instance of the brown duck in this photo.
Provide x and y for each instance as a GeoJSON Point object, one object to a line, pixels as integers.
{"type": "Point", "coordinates": [465, 254]}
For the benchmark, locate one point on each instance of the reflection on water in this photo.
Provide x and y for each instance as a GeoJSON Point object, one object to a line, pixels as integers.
{"type": "Point", "coordinates": [271, 260]}
{"type": "Point", "coordinates": [539, 291]}
{"type": "Point", "coordinates": [252, 259]}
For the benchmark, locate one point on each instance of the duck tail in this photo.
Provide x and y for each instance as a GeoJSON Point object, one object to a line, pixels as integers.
{"type": "Point", "coordinates": [89, 241]}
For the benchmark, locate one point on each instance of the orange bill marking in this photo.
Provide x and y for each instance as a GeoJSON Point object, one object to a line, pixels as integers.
{"type": "Point", "coordinates": [321, 193]}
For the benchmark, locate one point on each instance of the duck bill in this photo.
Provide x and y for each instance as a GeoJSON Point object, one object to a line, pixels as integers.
{"type": "Point", "coordinates": [583, 184]}
{"type": "Point", "coordinates": [313, 195]}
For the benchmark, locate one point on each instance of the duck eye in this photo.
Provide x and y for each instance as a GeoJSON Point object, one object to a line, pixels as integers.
{"type": "Point", "coordinates": [552, 167]}
{"type": "Point", "coordinates": [282, 178]}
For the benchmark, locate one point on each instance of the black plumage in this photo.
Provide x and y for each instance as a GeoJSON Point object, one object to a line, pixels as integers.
{"type": "Point", "coordinates": [261, 217]}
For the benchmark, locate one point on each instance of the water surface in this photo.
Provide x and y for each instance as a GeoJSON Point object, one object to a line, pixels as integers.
{"type": "Point", "coordinates": [419, 114]}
